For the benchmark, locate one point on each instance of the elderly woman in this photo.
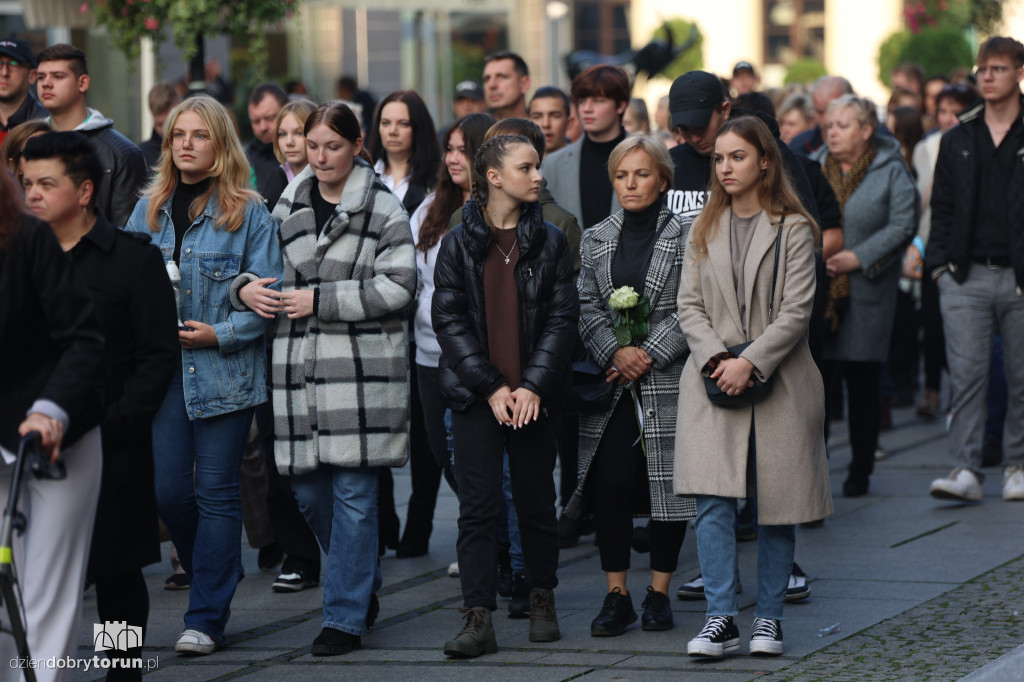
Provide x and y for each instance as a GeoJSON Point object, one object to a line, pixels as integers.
{"type": "Point", "coordinates": [639, 246]}
{"type": "Point", "coordinates": [879, 205]}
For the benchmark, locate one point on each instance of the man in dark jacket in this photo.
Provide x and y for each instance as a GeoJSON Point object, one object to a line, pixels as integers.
{"type": "Point", "coordinates": [17, 76]}
{"type": "Point", "coordinates": [62, 83]}
{"type": "Point", "coordinates": [265, 103]}
{"type": "Point", "coordinates": [976, 255]}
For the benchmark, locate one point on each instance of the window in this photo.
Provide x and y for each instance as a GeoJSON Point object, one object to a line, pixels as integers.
{"type": "Point", "coordinates": [794, 29]}
{"type": "Point", "coordinates": [602, 26]}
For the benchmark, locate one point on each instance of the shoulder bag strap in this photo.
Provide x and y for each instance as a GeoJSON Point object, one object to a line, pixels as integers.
{"type": "Point", "coordinates": [775, 271]}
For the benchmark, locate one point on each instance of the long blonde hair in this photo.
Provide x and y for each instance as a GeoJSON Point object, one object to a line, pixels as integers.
{"type": "Point", "coordinates": [775, 191]}
{"type": "Point", "coordinates": [231, 180]}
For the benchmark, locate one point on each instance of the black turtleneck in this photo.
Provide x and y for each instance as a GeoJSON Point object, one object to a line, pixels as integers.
{"type": "Point", "coordinates": [595, 186]}
{"type": "Point", "coordinates": [184, 195]}
{"type": "Point", "coordinates": [636, 244]}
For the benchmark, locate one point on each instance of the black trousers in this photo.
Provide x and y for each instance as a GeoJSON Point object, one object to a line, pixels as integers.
{"type": "Point", "coordinates": [934, 336]}
{"type": "Point", "coordinates": [291, 531]}
{"type": "Point", "coordinates": [863, 408]}
{"type": "Point", "coordinates": [124, 598]}
{"type": "Point", "coordinates": [479, 443]}
{"type": "Point", "coordinates": [618, 485]}
{"type": "Point", "coordinates": [568, 455]}
{"type": "Point", "coordinates": [904, 348]}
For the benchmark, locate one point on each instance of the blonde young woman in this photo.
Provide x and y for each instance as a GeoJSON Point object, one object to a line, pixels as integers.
{"type": "Point", "coordinates": [773, 450]}
{"type": "Point", "coordinates": [290, 142]}
{"type": "Point", "coordinates": [203, 215]}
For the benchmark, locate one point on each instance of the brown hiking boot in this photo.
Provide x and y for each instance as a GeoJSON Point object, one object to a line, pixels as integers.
{"type": "Point", "coordinates": [543, 619]}
{"type": "Point", "coordinates": [476, 637]}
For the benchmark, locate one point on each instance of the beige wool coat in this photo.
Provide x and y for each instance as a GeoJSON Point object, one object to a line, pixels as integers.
{"type": "Point", "coordinates": [711, 444]}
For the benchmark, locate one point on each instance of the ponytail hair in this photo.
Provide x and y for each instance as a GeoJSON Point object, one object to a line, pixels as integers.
{"type": "Point", "coordinates": [492, 154]}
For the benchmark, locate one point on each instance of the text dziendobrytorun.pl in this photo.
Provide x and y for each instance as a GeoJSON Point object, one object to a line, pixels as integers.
{"type": "Point", "coordinates": [84, 664]}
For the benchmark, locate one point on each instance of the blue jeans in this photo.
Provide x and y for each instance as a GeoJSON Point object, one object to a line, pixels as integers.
{"type": "Point", "coordinates": [508, 522]}
{"type": "Point", "coordinates": [340, 505]}
{"type": "Point", "coordinates": [198, 470]}
{"type": "Point", "coordinates": [716, 548]}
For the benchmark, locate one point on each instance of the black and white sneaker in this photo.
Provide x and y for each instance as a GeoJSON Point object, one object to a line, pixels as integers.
{"type": "Point", "coordinates": [766, 639]}
{"type": "Point", "coordinates": [719, 637]}
{"type": "Point", "coordinates": [798, 588]}
{"type": "Point", "coordinates": [294, 582]}
{"type": "Point", "coordinates": [694, 590]}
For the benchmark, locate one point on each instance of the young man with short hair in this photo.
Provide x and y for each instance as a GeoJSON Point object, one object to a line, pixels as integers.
{"type": "Point", "coordinates": [62, 80]}
{"type": "Point", "coordinates": [975, 253]}
{"type": "Point", "coordinates": [162, 98]}
{"type": "Point", "coordinates": [506, 82]}
{"type": "Point", "coordinates": [578, 174]}
{"type": "Point", "coordinates": [17, 76]}
{"type": "Point", "coordinates": [550, 110]}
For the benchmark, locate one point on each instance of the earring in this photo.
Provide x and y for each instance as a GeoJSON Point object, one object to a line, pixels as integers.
{"type": "Point", "coordinates": [85, 214]}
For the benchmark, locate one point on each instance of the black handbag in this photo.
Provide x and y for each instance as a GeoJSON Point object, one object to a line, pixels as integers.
{"type": "Point", "coordinates": [591, 393]}
{"type": "Point", "coordinates": [761, 389]}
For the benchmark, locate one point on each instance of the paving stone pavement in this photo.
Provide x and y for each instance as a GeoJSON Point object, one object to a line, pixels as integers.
{"type": "Point", "coordinates": [921, 589]}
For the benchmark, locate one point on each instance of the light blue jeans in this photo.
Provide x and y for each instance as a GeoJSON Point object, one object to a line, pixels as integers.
{"type": "Point", "coordinates": [716, 548]}
{"type": "Point", "coordinates": [340, 505]}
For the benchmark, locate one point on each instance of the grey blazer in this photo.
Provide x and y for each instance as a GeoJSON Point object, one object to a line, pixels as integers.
{"type": "Point", "coordinates": [562, 171]}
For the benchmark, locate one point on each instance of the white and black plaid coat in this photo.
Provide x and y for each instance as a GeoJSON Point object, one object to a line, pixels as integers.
{"type": "Point", "coordinates": [340, 378]}
{"type": "Point", "coordinates": [664, 343]}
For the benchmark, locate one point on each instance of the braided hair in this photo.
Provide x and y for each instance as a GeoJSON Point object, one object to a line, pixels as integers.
{"type": "Point", "coordinates": [492, 154]}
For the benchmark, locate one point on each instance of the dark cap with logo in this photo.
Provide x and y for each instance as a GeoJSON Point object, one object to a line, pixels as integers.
{"type": "Point", "coordinates": [743, 66]}
{"type": "Point", "coordinates": [693, 97]}
{"type": "Point", "coordinates": [17, 50]}
{"type": "Point", "coordinates": [469, 89]}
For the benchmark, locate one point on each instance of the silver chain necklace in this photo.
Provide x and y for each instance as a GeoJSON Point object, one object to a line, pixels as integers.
{"type": "Point", "coordinates": [509, 254]}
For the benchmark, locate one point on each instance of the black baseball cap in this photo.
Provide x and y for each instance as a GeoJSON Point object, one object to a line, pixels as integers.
{"type": "Point", "coordinates": [743, 66]}
{"type": "Point", "coordinates": [17, 50]}
{"type": "Point", "coordinates": [693, 97]}
{"type": "Point", "coordinates": [469, 89]}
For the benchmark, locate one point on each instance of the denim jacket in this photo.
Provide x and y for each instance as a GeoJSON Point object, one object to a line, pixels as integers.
{"type": "Point", "coordinates": [233, 375]}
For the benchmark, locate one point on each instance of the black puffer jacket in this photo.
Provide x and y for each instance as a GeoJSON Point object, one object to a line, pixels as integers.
{"type": "Point", "coordinates": [548, 304]}
{"type": "Point", "coordinates": [954, 203]}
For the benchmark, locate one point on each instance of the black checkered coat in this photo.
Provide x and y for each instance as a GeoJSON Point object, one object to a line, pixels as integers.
{"type": "Point", "coordinates": [340, 378]}
{"type": "Point", "coordinates": [664, 343]}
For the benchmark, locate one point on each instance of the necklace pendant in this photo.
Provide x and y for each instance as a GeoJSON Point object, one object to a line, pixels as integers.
{"type": "Point", "coordinates": [506, 260]}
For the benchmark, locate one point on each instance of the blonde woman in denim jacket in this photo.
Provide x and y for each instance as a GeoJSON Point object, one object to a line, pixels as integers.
{"type": "Point", "coordinates": [203, 215]}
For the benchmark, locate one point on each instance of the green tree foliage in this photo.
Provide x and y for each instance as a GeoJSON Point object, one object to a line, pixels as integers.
{"type": "Point", "coordinates": [692, 59]}
{"type": "Point", "coordinates": [938, 50]}
{"type": "Point", "coordinates": [129, 20]}
{"type": "Point", "coordinates": [806, 70]}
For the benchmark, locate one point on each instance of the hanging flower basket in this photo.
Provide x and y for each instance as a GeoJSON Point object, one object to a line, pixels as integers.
{"type": "Point", "coordinates": [41, 14]}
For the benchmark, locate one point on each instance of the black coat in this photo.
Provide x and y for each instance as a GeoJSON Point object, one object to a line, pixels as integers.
{"type": "Point", "coordinates": [549, 309]}
{"type": "Point", "coordinates": [124, 173]}
{"type": "Point", "coordinates": [51, 346]}
{"type": "Point", "coordinates": [135, 306]}
{"type": "Point", "coordinates": [955, 198]}
{"type": "Point", "coordinates": [270, 177]}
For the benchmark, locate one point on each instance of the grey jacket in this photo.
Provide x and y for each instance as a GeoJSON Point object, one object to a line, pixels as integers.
{"type": "Point", "coordinates": [562, 171]}
{"type": "Point", "coordinates": [879, 220]}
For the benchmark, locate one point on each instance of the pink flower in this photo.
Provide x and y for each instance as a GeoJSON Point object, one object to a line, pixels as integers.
{"type": "Point", "coordinates": [151, 23]}
{"type": "Point", "coordinates": [124, 11]}
{"type": "Point", "coordinates": [83, 8]}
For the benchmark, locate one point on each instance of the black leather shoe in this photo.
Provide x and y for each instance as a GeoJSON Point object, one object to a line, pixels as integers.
{"type": "Point", "coordinates": [657, 611]}
{"type": "Point", "coordinates": [855, 486]}
{"type": "Point", "coordinates": [331, 642]}
{"type": "Point", "coordinates": [615, 616]}
{"type": "Point", "coordinates": [519, 602]}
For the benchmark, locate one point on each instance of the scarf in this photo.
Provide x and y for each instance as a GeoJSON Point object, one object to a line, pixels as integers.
{"type": "Point", "coordinates": [838, 301]}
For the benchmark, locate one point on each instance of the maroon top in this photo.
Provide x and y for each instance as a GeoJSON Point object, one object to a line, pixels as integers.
{"type": "Point", "coordinates": [501, 305]}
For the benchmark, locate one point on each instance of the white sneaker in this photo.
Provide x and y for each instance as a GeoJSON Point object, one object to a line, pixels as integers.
{"type": "Point", "coordinates": [195, 643]}
{"type": "Point", "coordinates": [453, 569]}
{"type": "Point", "coordinates": [1013, 483]}
{"type": "Point", "coordinates": [961, 484]}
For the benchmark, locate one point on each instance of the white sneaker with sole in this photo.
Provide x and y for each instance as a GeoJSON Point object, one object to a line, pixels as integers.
{"type": "Point", "coordinates": [961, 484]}
{"type": "Point", "coordinates": [1013, 483]}
{"type": "Point", "coordinates": [718, 638]}
{"type": "Point", "coordinates": [453, 569]}
{"type": "Point", "coordinates": [195, 643]}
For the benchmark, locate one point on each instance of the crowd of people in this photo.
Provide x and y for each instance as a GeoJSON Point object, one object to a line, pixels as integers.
{"type": "Point", "coordinates": [228, 337]}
